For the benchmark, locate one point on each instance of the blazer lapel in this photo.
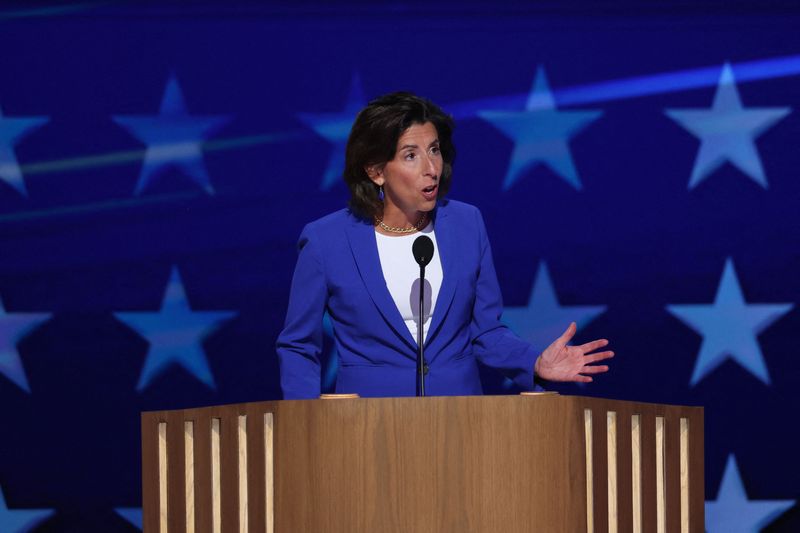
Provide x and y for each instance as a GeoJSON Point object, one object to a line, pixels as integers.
{"type": "Point", "coordinates": [445, 239]}
{"type": "Point", "coordinates": [368, 262]}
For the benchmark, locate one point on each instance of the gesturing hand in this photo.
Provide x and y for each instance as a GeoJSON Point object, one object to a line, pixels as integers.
{"type": "Point", "coordinates": [561, 362]}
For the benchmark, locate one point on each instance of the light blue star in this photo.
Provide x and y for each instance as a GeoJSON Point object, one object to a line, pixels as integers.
{"type": "Point", "coordinates": [541, 133]}
{"type": "Point", "coordinates": [132, 514]}
{"type": "Point", "coordinates": [13, 327]}
{"type": "Point", "coordinates": [733, 512]}
{"type": "Point", "coordinates": [173, 138]}
{"type": "Point", "coordinates": [12, 131]}
{"type": "Point", "coordinates": [20, 520]}
{"type": "Point", "coordinates": [543, 320]}
{"type": "Point", "coordinates": [727, 131]}
{"type": "Point", "coordinates": [729, 327]}
{"type": "Point", "coordinates": [176, 334]}
{"type": "Point", "coordinates": [335, 128]}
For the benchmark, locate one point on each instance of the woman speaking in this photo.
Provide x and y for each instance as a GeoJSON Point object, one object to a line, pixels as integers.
{"type": "Point", "coordinates": [357, 264]}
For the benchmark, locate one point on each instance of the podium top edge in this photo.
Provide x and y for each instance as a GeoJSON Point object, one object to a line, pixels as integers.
{"type": "Point", "coordinates": [273, 405]}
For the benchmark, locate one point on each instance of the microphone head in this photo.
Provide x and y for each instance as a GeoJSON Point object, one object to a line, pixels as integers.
{"type": "Point", "coordinates": [422, 250]}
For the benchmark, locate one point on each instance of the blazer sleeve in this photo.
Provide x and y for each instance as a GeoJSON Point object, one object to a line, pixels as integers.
{"type": "Point", "coordinates": [299, 345]}
{"type": "Point", "coordinates": [494, 344]}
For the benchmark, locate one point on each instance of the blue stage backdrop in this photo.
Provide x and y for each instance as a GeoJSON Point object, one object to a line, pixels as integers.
{"type": "Point", "coordinates": [637, 169]}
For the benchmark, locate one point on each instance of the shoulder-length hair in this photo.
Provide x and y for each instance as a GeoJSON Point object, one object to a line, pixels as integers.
{"type": "Point", "coordinates": [373, 141]}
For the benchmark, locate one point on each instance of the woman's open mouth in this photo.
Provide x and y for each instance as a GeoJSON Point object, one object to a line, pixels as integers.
{"type": "Point", "coordinates": [430, 192]}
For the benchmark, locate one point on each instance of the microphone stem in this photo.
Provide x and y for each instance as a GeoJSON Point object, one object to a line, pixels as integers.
{"type": "Point", "coordinates": [421, 335]}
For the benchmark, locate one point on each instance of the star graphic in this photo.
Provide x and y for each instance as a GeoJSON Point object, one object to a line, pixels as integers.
{"type": "Point", "coordinates": [541, 133]}
{"type": "Point", "coordinates": [729, 327]}
{"type": "Point", "coordinates": [733, 512]}
{"type": "Point", "coordinates": [13, 327]}
{"type": "Point", "coordinates": [20, 520]}
{"type": "Point", "coordinates": [727, 131]}
{"type": "Point", "coordinates": [12, 131]}
{"type": "Point", "coordinates": [132, 514]}
{"type": "Point", "coordinates": [173, 137]}
{"type": "Point", "coordinates": [335, 128]}
{"type": "Point", "coordinates": [544, 319]}
{"type": "Point", "coordinates": [176, 334]}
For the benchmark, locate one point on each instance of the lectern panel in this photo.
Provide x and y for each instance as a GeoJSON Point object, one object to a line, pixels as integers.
{"type": "Point", "coordinates": [419, 465]}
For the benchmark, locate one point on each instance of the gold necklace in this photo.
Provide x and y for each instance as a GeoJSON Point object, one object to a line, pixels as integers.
{"type": "Point", "coordinates": [416, 227]}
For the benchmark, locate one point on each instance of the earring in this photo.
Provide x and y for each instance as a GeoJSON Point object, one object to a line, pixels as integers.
{"type": "Point", "coordinates": [380, 192]}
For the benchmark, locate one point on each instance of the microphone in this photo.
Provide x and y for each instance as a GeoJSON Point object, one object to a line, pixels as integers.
{"type": "Point", "coordinates": [422, 250]}
{"type": "Point", "coordinates": [423, 253]}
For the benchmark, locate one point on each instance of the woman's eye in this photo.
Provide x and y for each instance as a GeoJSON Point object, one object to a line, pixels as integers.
{"type": "Point", "coordinates": [410, 156]}
{"type": "Point", "coordinates": [436, 150]}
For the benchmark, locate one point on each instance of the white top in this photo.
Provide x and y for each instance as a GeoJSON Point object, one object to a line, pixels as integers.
{"type": "Point", "coordinates": [401, 273]}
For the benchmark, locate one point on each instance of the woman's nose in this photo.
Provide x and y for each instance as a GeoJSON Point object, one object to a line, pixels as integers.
{"type": "Point", "coordinates": [430, 166]}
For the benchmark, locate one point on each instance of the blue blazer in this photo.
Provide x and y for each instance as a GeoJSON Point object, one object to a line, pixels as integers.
{"type": "Point", "coordinates": [339, 270]}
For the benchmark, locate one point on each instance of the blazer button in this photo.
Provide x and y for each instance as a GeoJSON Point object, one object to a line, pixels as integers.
{"type": "Point", "coordinates": [425, 369]}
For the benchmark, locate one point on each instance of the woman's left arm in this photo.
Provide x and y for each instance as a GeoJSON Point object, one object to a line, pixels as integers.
{"type": "Point", "coordinates": [497, 346]}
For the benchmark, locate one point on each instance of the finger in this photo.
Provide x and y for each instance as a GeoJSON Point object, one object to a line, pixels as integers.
{"type": "Point", "coordinates": [582, 379]}
{"type": "Point", "coordinates": [594, 357]}
{"type": "Point", "coordinates": [596, 369]}
{"type": "Point", "coordinates": [568, 334]}
{"type": "Point", "coordinates": [594, 345]}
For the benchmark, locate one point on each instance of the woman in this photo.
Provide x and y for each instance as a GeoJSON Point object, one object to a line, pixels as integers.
{"type": "Point", "coordinates": [357, 264]}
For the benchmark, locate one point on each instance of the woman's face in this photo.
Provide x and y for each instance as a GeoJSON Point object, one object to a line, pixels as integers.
{"type": "Point", "coordinates": [411, 180]}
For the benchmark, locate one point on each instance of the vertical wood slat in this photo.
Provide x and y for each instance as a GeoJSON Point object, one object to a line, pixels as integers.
{"type": "Point", "coordinates": [600, 467]}
{"type": "Point", "coordinates": [176, 476]}
{"type": "Point", "coordinates": [587, 433]}
{"type": "Point", "coordinates": [648, 434]}
{"type": "Point", "coordinates": [241, 441]}
{"type": "Point", "coordinates": [611, 459]}
{"type": "Point", "coordinates": [269, 472]}
{"type": "Point", "coordinates": [188, 454]}
{"type": "Point", "coordinates": [624, 476]}
{"type": "Point", "coordinates": [636, 473]}
{"type": "Point", "coordinates": [684, 429]}
{"type": "Point", "coordinates": [229, 472]}
{"type": "Point", "coordinates": [697, 479]}
{"type": "Point", "coordinates": [163, 479]}
{"type": "Point", "coordinates": [672, 470]}
{"type": "Point", "coordinates": [202, 472]}
{"type": "Point", "coordinates": [150, 510]}
{"type": "Point", "coordinates": [661, 506]}
{"type": "Point", "coordinates": [216, 475]}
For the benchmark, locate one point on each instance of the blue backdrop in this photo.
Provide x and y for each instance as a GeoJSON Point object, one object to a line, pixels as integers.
{"type": "Point", "coordinates": [637, 168]}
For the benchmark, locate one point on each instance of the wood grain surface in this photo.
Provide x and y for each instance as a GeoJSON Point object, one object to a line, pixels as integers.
{"type": "Point", "coordinates": [435, 464]}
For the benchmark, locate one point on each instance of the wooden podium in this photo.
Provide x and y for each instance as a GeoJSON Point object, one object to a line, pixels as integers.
{"type": "Point", "coordinates": [494, 464]}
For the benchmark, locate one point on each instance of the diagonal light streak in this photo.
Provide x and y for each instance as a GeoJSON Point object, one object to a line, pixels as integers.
{"type": "Point", "coordinates": [678, 80]}
{"type": "Point", "coordinates": [48, 11]}
{"type": "Point", "coordinates": [638, 86]}
{"type": "Point", "coordinates": [97, 207]}
{"type": "Point", "coordinates": [123, 158]}
{"type": "Point", "coordinates": [129, 156]}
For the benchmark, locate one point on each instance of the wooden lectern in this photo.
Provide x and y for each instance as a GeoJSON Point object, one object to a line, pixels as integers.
{"type": "Point", "coordinates": [494, 464]}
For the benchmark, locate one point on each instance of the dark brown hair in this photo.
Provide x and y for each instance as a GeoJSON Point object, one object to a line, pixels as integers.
{"type": "Point", "coordinates": [373, 141]}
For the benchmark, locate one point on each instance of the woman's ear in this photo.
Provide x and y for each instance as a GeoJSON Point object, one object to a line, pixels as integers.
{"type": "Point", "coordinates": [375, 173]}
